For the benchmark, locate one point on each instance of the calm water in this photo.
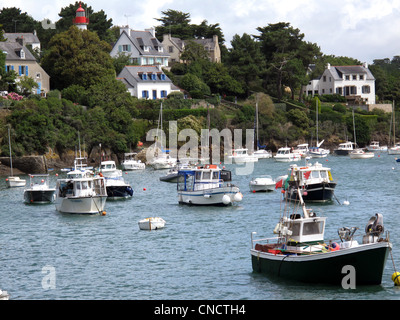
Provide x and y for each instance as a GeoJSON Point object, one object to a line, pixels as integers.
{"type": "Point", "coordinates": [202, 253]}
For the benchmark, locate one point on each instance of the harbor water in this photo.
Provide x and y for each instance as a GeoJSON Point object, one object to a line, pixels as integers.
{"type": "Point", "coordinates": [203, 253]}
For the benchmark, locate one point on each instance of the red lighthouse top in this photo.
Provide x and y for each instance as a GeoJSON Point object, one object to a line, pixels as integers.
{"type": "Point", "coordinates": [80, 18]}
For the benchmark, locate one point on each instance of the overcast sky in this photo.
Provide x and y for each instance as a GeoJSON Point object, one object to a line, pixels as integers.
{"type": "Point", "coordinates": [361, 29]}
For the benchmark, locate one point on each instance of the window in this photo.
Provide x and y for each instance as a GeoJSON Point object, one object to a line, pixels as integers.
{"type": "Point", "coordinates": [23, 70]}
{"type": "Point", "coordinates": [126, 47]}
{"type": "Point", "coordinates": [162, 77]}
{"type": "Point", "coordinates": [324, 78]}
{"type": "Point", "coordinates": [366, 89]}
{"type": "Point", "coordinates": [310, 228]}
{"type": "Point", "coordinates": [145, 94]}
{"type": "Point", "coordinates": [361, 77]}
{"type": "Point", "coordinates": [144, 76]}
{"type": "Point", "coordinates": [153, 77]}
{"type": "Point", "coordinates": [170, 49]}
{"type": "Point", "coordinates": [163, 93]}
{"type": "Point", "coordinates": [354, 77]}
{"type": "Point", "coordinates": [347, 77]}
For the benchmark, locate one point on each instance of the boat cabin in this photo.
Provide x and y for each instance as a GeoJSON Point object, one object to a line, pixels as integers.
{"type": "Point", "coordinates": [306, 230]}
{"type": "Point", "coordinates": [201, 178]}
{"type": "Point", "coordinates": [310, 174]}
{"type": "Point", "coordinates": [240, 152]}
{"type": "Point", "coordinates": [108, 165]}
{"type": "Point", "coordinates": [283, 151]}
{"type": "Point", "coordinates": [81, 187]}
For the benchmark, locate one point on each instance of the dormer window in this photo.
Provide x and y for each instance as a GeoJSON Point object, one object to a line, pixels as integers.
{"type": "Point", "coordinates": [22, 54]}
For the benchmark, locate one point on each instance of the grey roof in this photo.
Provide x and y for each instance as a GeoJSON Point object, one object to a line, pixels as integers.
{"type": "Point", "coordinates": [145, 38]}
{"type": "Point", "coordinates": [339, 71]}
{"type": "Point", "coordinates": [132, 74]}
{"type": "Point", "coordinates": [13, 50]}
{"type": "Point", "coordinates": [28, 37]}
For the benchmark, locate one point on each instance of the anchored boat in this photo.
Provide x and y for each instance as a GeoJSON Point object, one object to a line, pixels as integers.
{"type": "Point", "coordinates": [39, 191]}
{"type": "Point", "coordinates": [300, 253]}
{"type": "Point", "coordinates": [204, 186]}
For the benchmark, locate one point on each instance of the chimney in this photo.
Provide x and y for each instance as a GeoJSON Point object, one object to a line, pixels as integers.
{"type": "Point", "coordinates": [365, 65]}
{"type": "Point", "coordinates": [152, 30]}
{"type": "Point", "coordinates": [124, 28]}
{"type": "Point", "coordinates": [328, 66]}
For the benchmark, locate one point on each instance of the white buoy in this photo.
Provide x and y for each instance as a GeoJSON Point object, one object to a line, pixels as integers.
{"type": "Point", "coordinates": [346, 202]}
{"type": "Point", "coordinates": [226, 199]}
{"type": "Point", "coordinates": [238, 197]}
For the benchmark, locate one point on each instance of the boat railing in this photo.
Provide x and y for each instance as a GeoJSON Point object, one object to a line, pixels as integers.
{"type": "Point", "coordinates": [267, 240]}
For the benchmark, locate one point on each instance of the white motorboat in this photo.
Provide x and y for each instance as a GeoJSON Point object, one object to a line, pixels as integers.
{"type": "Point", "coordinates": [285, 154]}
{"type": "Point", "coordinates": [374, 146]}
{"type": "Point", "coordinates": [262, 184]}
{"type": "Point", "coordinates": [162, 162]}
{"type": "Point", "coordinates": [130, 163]}
{"type": "Point", "coordinates": [241, 156]}
{"type": "Point", "coordinates": [172, 174]}
{"type": "Point", "coordinates": [360, 154]}
{"type": "Point", "coordinates": [262, 154]}
{"type": "Point", "coordinates": [344, 148]}
{"type": "Point", "coordinates": [13, 181]}
{"type": "Point", "coordinates": [204, 186]}
{"type": "Point", "coordinates": [81, 193]}
{"type": "Point", "coordinates": [153, 223]}
{"type": "Point", "coordinates": [116, 186]}
{"type": "Point", "coordinates": [39, 191]}
{"type": "Point", "coordinates": [395, 149]}
{"type": "Point", "coordinates": [302, 149]}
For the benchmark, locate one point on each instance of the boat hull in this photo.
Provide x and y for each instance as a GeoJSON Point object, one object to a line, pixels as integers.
{"type": "Point", "coordinates": [119, 192]}
{"type": "Point", "coordinates": [341, 152]}
{"type": "Point", "coordinates": [319, 192]}
{"type": "Point", "coordinates": [133, 166]}
{"type": "Point", "coordinates": [39, 196]}
{"type": "Point", "coordinates": [209, 197]}
{"type": "Point", "coordinates": [326, 268]}
{"type": "Point", "coordinates": [81, 205]}
{"type": "Point", "coordinates": [151, 224]}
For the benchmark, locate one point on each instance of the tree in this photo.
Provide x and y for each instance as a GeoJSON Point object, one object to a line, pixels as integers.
{"type": "Point", "coordinates": [246, 62]}
{"type": "Point", "coordinates": [281, 45]}
{"type": "Point", "coordinates": [13, 20]}
{"type": "Point", "coordinates": [77, 57]}
{"type": "Point", "coordinates": [175, 23]}
{"type": "Point", "coordinates": [26, 85]}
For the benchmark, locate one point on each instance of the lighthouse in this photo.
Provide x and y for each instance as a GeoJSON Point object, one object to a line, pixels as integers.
{"type": "Point", "coordinates": [80, 20]}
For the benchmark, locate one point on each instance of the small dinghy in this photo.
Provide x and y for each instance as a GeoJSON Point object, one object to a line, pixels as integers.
{"type": "Point", "coordinates": [151, 223]}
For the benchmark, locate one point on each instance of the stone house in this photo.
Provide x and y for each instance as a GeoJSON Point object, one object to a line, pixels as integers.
{"type": "Point", "coordinates": [21, 60]}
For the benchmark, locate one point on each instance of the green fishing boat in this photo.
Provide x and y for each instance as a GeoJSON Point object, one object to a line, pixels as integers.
{"type": "Point", "coordinates": [300, 253]}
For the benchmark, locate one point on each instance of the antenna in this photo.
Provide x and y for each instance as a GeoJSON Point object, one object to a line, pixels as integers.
{"type": "Point", "coordinates": [127, 18]}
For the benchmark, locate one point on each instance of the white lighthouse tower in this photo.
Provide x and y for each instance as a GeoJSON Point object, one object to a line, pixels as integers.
{"type": "Point", "coordinates": [80, 20]}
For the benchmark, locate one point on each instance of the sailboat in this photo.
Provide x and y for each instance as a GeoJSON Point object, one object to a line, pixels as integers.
{"type": "Point", "coordinates": [163, 160]}
{"type": "Point", "coordinates": [260, 153]}
{"type": "Point", "coordinates": [359, 153]}
{"type": "Point", "coordinates": [13, 181]}
{"type": "Point", "coordinates": [396, 146]}
{"type": "Point", "coordinates": [317, 152]}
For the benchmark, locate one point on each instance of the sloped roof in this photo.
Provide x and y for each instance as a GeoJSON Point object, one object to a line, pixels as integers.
{"type": "Point", "coordinates": [28, 37]}
{"type": "Point", "coordinates": [145, 38]}
{"type": "Point", "coordinates": [131, 75]}
{"type": "Point", "coordinates": [339, 71]}
{"type": "Point", "coordinates": [13, 50]}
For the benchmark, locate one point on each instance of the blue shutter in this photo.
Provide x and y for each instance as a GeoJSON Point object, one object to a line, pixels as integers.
{"type": "Point", "coordinates": [12, 68]}
{"type": "Point", "coordinates": [153, 77]}
{"type": "Point", "coordinates": [26, 70]}
{"type": "Point", "coordinates": [144, 76]}
{"type": "Point", "coordinates": [129, 48]}
{"type": "Point", "coordinates": [163, 77]}
{"type": "Point", "coordinates": [20, 70]}
{"type": "Point", "coordinates": [39, 88]}
{"type": "Point", "coordinates": [120, 48]}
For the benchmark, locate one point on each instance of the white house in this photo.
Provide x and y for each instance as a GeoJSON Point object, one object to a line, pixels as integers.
{"type": "Point", "coordinates": [146, 82]}
{"type": "Point", "coordinates": [142, 47]}
{"type": "Point", "coordinates": [356, 83]}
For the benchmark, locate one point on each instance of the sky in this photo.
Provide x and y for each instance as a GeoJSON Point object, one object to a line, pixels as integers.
{"type": "Point", "coordinates": [360, 29]}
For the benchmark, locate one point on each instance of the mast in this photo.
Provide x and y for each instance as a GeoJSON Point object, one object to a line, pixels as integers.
{"type": "Point", "coordinates": [9, 143]}
{"type": "Point", "coordinates": [354, 127]}
{"type": "Point", "coordinates": [394, 126]}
